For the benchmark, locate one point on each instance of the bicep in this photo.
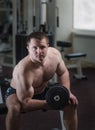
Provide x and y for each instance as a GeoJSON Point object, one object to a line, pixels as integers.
{"type": "Point", "coordinates": [23, 89]}
{"type": "Point", "coordinates": [24, 93]}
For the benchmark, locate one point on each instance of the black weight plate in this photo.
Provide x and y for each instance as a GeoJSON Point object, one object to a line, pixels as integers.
{"type": "Point", "coordinates": [57, 97]}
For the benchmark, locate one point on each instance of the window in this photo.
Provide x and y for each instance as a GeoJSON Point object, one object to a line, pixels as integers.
{"type": "Point", "coordinates": [84, 14]}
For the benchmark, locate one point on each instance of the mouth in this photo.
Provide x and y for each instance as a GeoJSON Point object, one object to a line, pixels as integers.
{"type": "Point", "coordinates": [39, 58]}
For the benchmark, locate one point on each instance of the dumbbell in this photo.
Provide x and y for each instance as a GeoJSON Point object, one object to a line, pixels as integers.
{"type": "Point", "coordinates": [57, 97]}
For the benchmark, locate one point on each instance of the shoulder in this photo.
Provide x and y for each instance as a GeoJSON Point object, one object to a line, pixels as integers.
{"type": "Point", "coordinates": [21, 66]}
{"type": "Point", "coordinates": [54, 51]}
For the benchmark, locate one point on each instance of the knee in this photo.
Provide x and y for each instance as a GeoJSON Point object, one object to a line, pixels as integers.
{"type": "Point", "coordinates": [70, 112]}
{"type": "Point", "coordinates": [14, 109]}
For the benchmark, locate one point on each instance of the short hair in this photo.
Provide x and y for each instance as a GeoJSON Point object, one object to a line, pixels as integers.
{"type": "Point", "coordinates": [37, 35]}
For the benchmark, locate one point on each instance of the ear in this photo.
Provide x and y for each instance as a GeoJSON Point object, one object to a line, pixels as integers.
{"type": "Point", "coordinates": [27, 47]}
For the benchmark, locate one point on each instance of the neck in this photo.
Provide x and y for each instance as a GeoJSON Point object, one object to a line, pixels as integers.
{"type": "Point", "coordinates": [37, 63]}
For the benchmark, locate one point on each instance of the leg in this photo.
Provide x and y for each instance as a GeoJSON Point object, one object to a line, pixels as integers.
{"type": "Point", "coordinates": [13, 115]}
{"type": "Point", "coordinates": [70, 117]}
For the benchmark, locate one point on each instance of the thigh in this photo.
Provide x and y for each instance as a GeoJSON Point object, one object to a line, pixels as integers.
{"type": "Point", "coordinates": [12, 100]}
{"type": "Point", "coordinates": [11, 97]}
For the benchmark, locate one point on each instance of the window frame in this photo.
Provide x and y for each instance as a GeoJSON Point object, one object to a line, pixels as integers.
{"type": "Point", "coordinates": [81, 31]}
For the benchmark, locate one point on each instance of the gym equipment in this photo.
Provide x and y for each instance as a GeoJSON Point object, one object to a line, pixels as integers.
{"type": "Point", "coordinates": [33, 15]}
{"type": "Point", "coordinates": [75, 56]}
{"type": "Point", "coordinates": [3, 53]}
{"type": "Point", "coordinates": [4, 83]}
{"type": "Point", "coordinates": [63, 45]}
{"type": "Point", "coordinates": [1, 99]}
{"type": "Point", "coordinates": [40, 15]}
{"type": "Point", "coordinates": [57, 97]}
{"type": "Point", "coordinates": [3, 109]}
{"type": "Point", "coordinates": [62, 120]}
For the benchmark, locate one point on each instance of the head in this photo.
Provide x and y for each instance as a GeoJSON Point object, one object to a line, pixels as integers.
{"type": "Point", "coordinates": [37, 45]}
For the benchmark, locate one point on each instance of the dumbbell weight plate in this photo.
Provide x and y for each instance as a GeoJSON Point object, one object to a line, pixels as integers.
{"type": "Point", "coordinates": [57, 97]}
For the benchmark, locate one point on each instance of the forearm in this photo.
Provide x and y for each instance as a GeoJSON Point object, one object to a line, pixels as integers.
{"type": "Point", "coordinates": [33, 104]}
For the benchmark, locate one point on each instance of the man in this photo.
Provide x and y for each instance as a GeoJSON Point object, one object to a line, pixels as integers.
{"type": "Point", "coordinates": [30, 78]}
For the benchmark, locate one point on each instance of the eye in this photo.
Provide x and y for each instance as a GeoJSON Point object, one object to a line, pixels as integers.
{"type": "Point", "coordinates": [42, 47]}
{"type": "Point", "coordinates": [34, 48]}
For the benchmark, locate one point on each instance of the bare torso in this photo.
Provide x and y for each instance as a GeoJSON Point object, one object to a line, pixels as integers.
{"type": "Point", "coordinates": [38, 75]}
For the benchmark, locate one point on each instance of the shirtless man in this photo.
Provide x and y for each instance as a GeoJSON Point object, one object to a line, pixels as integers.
{"type": "Point", "coordinates": [30, 78]}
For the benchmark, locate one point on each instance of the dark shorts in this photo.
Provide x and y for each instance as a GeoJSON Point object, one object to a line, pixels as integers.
{"type": "Point", "coordinates": [40, 96]}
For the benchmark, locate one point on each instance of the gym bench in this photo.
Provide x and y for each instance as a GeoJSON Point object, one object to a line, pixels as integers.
{"type": "Point", "coordinates": [76, 57]}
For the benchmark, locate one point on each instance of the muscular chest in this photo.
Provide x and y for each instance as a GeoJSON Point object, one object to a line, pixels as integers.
{"type": "Point", "coordinates": [42, 74]}
{"type": "Point", "coordinates": [49, 71]}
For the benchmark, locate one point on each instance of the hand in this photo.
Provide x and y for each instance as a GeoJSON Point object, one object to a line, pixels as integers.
{"type": "Point", "coordinates": [73, 99]}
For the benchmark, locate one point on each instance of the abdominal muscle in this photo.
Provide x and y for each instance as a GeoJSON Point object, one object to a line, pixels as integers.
{"type": "Point", "coordinates": [41, 88]}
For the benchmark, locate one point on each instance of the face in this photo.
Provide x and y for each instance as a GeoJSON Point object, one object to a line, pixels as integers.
{"type": "Point", "coordinates": [37, 49]}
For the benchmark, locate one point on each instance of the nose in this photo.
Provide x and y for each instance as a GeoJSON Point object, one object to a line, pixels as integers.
{"type": "Point", "coordinates": [38, 50]}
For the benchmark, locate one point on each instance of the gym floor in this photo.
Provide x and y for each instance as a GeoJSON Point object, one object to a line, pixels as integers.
{"type": "Point", "coordinates": [84, 90]}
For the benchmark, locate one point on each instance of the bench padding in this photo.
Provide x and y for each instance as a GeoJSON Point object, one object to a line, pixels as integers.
{"type": "Point", "coordinates": [75, 55]}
